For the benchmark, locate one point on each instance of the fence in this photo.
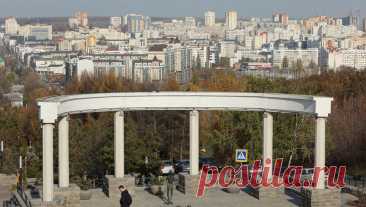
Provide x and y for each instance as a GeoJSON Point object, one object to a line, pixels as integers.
{"type": "Point", "coordinates": [356, 183]}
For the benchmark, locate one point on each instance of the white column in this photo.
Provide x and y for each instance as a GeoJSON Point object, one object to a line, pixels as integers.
{"type": "Point", "coordinates": [119, 145]}
{"type": "Point", "coordinates": [47, 136]}
{"type": "Point", "coordinates": [268, 140]}
{"type": "Point", "coordinates": [63, 152]}
{"type": "Point", "coordinates": [320, 150]}
{"type": "Point", "coordinates": [194, 142]}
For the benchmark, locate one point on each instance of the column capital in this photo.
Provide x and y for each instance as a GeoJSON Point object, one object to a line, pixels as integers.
{"type": "Point", "coordinates": [194, 112]}
{"type": "Point", "coordinates": [48, 113]}
{"type": "Point", "coordinates": [267, 114]}
{"type": "Point", "coordinates": [67, 117]}
{"type": "Point", "coordinates": [44, 124]}
{"type": "Point", "coordinates": [120, 113]}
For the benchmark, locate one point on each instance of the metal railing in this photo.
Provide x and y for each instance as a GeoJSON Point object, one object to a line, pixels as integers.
{"type": "Point", "coordinates": [358, 183]}
{"type": "Point", "coordinates": [23, 195]}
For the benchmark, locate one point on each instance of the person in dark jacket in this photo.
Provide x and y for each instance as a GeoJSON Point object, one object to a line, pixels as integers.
{"type": "Point", "coordinates": [170, 187]}
{"type": "Point", "coordinates": [126, 199]}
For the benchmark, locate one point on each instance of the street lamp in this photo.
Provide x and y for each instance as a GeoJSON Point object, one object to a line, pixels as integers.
{"type": "Point", "coordinates": [25, 161]}
{"type": "Point", "coordinates": [20, 184]}
{"type": "Point", "coordinates": [1, 153]}
{"type": "Point", "coordinates": [20, 162]}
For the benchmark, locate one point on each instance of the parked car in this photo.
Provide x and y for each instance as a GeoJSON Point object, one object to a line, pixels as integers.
{"type": "Point", "coordinates": [182, 166]}
{"type": "Point", "coordinates": [207, 161]}
{"type": "Point", "coordinates": [306, 174]}
{"type": "Point", "coordinates": [210, 162]}
{"type": "Point", "coordinates": [166, 167]}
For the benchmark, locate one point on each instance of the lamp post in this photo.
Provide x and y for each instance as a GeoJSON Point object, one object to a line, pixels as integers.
{"type": "Point", "coordinates": [24, 162]}
{"type": "Point", "coordinates": [1, 153]}
{"type": "Point", "coordinates": [21, 173]}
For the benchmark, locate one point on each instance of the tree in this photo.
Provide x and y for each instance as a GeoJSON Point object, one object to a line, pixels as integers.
{"type": "Point", "coordinates": [312, 65]}
{"type": "Point", "coordinates": [198, 62]}
{"type": "Point", "coordinates": [299, 68]}
{"type": "Point", "coordinates": [225, 61]}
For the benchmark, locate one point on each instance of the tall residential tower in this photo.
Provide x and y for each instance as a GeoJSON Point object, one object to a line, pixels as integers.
{"type": "Point", "coordinates": [231, 20]}
{"type": "Point", "coordinates": [210, 18]}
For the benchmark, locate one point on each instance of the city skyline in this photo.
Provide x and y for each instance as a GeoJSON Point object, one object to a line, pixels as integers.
{"type": "Point", "coordinates": [158, 8]}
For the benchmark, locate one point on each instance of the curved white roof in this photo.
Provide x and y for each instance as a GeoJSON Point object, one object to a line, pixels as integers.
{"type": "Point", "coordinates": [53, 107]}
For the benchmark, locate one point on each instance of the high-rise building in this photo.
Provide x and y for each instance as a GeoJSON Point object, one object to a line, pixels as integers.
{"type": "Point", "coordinates": [364, 25]}
{"type": "Point", "coordinates": [80, 19]}
{"type": "Point", "coordinates": [190, 21]}
{"type": "Point", "coordinates": [200, 55]}
{"type": "Point", "coordinates": [231, 20]}
{"type": "Point", "coordinates": [135, 23]}
{"type": "Point", "coordinates": [284, 18]}
{"type": "Point", "coordinates": [40, 32]}
{"type": "Point", "coordinates": [147, 21]}
{"type": "Point", "coordinates": [276, 17]}
{"type": "Point", "coordinates": [178, 61]}
{"type": "Point", "coordinates": [210, 18]}
{"type": "Point", "coordinates": [83, 18]}
{"type": "Point", "coordinates": [116, 22]}
{"type": "Point", "coordinates": [11, 26]}
{"type": "Point", "coordinates": [339, 22]}
{"type": "Point", "coordinates": [350, 20]}
{"type": "Point", "coordinates": [73, 23]}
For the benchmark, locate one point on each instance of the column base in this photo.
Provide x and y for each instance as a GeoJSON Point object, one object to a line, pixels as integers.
{"type": "Point", "coordinates": [63, 197]}
{"type": "Point", "coordinates": [271, 193]}
{"type": "Point", "coordinates": [113, 183]}
{"type": "Point", "coordinates": [322, 197]}
{"type": "Point", "coordinates": [188, 184]}
{"type": "Point", "coordinates": [70, 195]}
{"type": "Point", "coordinates": [267, 193]}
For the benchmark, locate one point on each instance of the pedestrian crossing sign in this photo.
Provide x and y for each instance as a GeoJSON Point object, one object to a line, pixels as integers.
{"type": "Point", "coordinates": [241, 155]}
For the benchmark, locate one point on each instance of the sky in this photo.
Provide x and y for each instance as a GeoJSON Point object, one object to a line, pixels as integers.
{"type": "Point", "coordinates": [178, 8]}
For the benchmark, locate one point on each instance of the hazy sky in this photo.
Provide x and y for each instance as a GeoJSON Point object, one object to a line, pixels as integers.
{"type": "Point", "coordinates": [171, 8]}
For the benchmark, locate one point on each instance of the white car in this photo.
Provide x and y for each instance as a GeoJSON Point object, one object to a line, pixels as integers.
{"type": "Point", "coordinates": [167, 167]}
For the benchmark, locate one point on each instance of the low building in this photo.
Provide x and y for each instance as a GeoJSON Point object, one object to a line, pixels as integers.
{"type": "Point", "coordinates": [75, 67]}
{"type": "Point", "coordinates": [118, 67]}
{"type": "Point", "coordinates": [307, 56]}
{"type": "Point", "coordinates": [15, 99]}
{"type": "Point", "coordinates": [255, 66]}
{"type": "Point", "coordinates": [353, 58]}
{"type": "Point", "coordinates": [49, 66]}
{"type": "Point", "coordinates": [148, 70]}
{"type": "Point", "coordinates": [227, 49]}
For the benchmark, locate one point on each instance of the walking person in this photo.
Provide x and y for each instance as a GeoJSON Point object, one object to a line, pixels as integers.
{"type": "Point", "coordinates": [170, 186]}
{"type": "Point", "coordinates": [126, 199]}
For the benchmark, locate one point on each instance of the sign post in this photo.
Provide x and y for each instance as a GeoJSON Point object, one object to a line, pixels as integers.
{"type": "Point", "coordinates": [241, 156]}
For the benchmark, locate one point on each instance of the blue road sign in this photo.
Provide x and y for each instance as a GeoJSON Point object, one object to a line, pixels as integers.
{"type": "Point", "coordinates": [241, 155]}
